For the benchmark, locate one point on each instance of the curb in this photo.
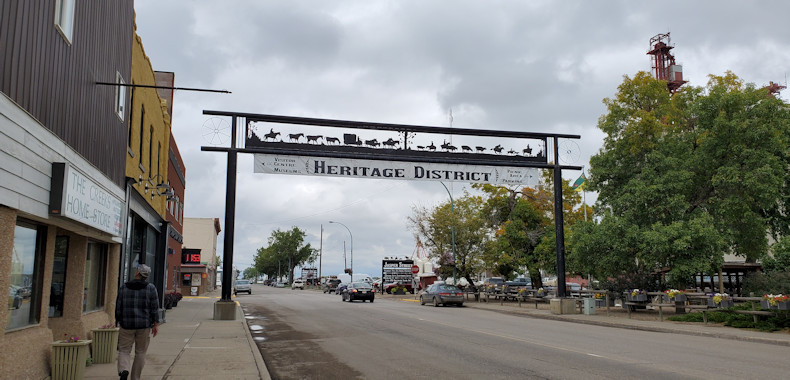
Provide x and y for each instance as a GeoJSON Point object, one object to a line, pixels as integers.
{"type": "Point", "coordinates": [640, 327]}
{"type": "Point", "coordinates": [263, 371]}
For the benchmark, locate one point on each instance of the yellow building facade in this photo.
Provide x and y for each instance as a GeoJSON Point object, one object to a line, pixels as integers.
{"type": "Point", "coordinates": [147, 160]}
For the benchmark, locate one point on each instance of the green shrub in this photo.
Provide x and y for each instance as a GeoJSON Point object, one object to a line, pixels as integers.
{"type": "Point", "coordinates": [742, 321]}
{"type": "Point", "coordinates": [767, 283]}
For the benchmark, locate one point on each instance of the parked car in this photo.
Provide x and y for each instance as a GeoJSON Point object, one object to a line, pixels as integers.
{"type": "Point", "coordinates": [297, 284]}
{"type": "Point", "coordinates": [442, 294]}
{"type": "Point", "coordinates": [358, 291]}
{"type": "Point", "coordinates": [279, 284]}
{"type": "Point", "coordinates": [331, 285]}
{"type": "Point", "coordinates": [242, 286]}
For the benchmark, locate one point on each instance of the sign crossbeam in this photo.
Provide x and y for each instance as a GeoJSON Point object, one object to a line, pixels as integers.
{"type": "Point", "coordinates": [355, 150]}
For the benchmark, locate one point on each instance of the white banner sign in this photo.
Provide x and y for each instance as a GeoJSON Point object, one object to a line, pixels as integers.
{"type": "Point", "coordinates": [342, 167]}
{"type": "Point", "coordinates": [82, 199]}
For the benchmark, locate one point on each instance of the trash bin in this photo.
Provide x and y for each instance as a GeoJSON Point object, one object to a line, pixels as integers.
{"type": "Point", "coordinates": [589, 306]}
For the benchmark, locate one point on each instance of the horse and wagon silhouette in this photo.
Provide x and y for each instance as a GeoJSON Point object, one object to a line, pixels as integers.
{"type": "Point", "coordinates": [390, 143]}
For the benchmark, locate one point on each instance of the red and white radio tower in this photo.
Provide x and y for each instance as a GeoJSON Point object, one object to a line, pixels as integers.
{"type": "Point", "coordinates": [664, 67]}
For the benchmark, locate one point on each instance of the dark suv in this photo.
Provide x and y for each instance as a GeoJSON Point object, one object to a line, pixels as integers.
{"type": "Point", "coordinates": [331, 285]}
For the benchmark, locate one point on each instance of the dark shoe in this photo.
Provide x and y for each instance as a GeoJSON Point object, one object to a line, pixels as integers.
{"type": "Point", "coordinates": [124, 374]}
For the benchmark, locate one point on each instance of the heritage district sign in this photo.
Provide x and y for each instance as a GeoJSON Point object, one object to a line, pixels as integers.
{"type": "Point", "coordinates": [374, 169]}
{"type": "Point", "coordinates": [388, 151]}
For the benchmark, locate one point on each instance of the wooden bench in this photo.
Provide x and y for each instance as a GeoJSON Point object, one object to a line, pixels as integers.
{"type": "Point", "coordinates": [705, 308]}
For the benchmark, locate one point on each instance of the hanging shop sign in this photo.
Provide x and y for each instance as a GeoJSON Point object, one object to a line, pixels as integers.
{"type": "Point", "coordinates": [375, 169]}
{"type": "Point", "coordinates": [76, 196]}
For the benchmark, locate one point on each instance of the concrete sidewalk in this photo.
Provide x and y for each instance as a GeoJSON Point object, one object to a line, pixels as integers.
{"type": "Point", "coordinates": [191, 345]}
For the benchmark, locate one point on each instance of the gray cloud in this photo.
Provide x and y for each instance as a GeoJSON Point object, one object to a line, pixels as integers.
{"type": "Point", "coordinates": [539, 66]}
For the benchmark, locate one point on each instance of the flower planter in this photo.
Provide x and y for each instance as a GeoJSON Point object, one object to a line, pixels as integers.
{"type": "Point", "coordinates": [784, 305]}
{"type": "Point", "coordinates": [636, 298]}
{"type": "Point", "coordinates": [105, 344]}
{"type": "Point", "coordinates": [679, 298]}
{"type": "Point", "coordinates": [68, 360]}
{"type": "Point", "coordinates": [725, 303]}
{"type": "Point", "coordinates": [764, 304]}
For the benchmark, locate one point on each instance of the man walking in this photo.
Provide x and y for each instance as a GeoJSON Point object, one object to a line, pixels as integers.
{"type": "Point", "coordinates": [137, 312]}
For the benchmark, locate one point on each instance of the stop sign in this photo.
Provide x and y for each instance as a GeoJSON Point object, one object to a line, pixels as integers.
{"type": "Point", "coordinates": [415, 269]}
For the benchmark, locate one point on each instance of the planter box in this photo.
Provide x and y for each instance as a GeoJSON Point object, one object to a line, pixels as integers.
{"type": "Point", "coordinates": [105, 344]}
{"type": "Point", "coordinates": [68, 360]}
{"type": "Point", "coordinates": [784, 305]}
{"type": "Point", "coordinates": [636, 298]}
{"type": "Point", "coordinates": [601, 302]}
{"type": "Point", "coordinates": [764, 304]}
{"type": "Point", "coordinates": [722, 304]}
{"type": "Point", "coordinates": [679, 298]}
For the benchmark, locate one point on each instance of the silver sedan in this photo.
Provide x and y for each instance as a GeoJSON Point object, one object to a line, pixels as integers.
{"type": "Point", "coordinates": [442, 294]}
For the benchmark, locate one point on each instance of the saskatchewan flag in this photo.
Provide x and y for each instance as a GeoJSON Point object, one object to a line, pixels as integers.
{"type": "Point", "coordinates": [579, 184]}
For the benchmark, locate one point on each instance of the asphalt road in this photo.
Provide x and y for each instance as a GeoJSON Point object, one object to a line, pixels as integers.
{"type": "Point", "coordinates": [311, 335]}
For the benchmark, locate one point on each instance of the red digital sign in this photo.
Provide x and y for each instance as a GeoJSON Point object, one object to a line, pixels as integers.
{"type": "Point", "coordinates": [190, 256]}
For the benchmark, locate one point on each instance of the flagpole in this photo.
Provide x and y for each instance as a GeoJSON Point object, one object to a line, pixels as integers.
{"type": "Point", "coordinates": [584, 198]}
{"type": "Point", "coordinates": [584, 203]}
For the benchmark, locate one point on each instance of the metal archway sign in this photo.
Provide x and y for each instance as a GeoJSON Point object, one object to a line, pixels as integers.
{"type": "Point", "coordinates": [356, 149]}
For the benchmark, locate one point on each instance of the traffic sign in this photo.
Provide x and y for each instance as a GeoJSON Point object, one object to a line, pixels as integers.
{"type": "Point", "coordinates": [415, 269]}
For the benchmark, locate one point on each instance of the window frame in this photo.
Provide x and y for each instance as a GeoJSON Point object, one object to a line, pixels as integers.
{"type": "Point", "coordinates": [120, 96]}
{"type": "Point", "coordinates": [99, 290]}
{"type": "Point", "coordinates": [62, 243]}
{"type": "Point", "coordinates": [140, 142]}
{"type": "Point", "coordinates": [64, 19]}
{"type": "Point", "coordinates": [36, 276]}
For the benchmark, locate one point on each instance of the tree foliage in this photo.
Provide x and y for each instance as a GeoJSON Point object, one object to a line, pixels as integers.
{"type": "Point", "coordinates": [286, 250]}
{"type": "Point", "coordinates": [505, 231]}
{"type": "Point", "coordinates": [684, 179]}
{"type": "Point", "coordinates": [523, 224]}
{"type": "Point", "coordinates": [250, 272]}
{"type": "Point", "coordinates": [434, 228]}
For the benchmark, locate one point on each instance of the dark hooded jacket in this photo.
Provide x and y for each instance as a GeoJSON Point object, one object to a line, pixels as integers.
{"type": "Point", "coordinates": [137, 306]}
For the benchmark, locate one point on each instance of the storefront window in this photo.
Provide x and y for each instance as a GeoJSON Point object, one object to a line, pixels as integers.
{"type": "Point", "coordinates": [26, 267]}
{"type": "Point", "coordinates": [150, 249]}
{"type": "Point", "coordinates": [58, 277]}
{"type": "Point", "coordinates": [95, 277]}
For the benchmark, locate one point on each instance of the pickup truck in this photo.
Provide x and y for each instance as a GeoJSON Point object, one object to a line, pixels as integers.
{"type": "Point", "coordinates": [330, 286]}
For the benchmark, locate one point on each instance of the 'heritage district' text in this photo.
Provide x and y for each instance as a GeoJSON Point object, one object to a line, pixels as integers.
{"type": "Point", "coordinates": [419, 172]}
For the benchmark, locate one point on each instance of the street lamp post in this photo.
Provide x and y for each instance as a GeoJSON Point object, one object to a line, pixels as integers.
{"type": "Point", "coordinates": [452, 229]}
{"type": "Point", "coordinates": [352, 248]}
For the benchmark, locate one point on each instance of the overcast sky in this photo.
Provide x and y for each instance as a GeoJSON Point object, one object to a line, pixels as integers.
{"type": "Point", "coordinates": [533, 66]}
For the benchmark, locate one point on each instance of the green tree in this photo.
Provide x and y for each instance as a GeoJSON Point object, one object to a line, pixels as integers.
{"type": "Point", "coordinates": [286, 250]}
{"type": "Point", "coordinates": [523, 223]}
{"type": "Point", "coordinates": [683, 179]}
{"type": "Point", "coordinates": [434, 229]}
{"type": "Point", "coordinates": [250, 272]}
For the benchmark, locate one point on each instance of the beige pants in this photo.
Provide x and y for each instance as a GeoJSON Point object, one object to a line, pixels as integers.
{"type": "Point", "coordinates": [140, 339]}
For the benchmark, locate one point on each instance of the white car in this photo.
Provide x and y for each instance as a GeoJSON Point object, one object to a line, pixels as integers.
{"type": "Point", "coordinates": [242, 286]}
{"type": "Point", "coordinates": [297, 284]}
